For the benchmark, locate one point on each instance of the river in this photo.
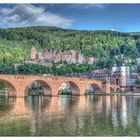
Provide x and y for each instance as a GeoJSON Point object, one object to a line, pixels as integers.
{"type": "Point", "coordinates": [65, 115]}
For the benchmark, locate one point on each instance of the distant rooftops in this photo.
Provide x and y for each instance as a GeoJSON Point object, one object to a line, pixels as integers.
{"type": "Point", "coordinates": [102, 71]}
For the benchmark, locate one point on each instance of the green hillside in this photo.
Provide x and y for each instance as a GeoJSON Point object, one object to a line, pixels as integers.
{"type": "Point", "coordinates": [106, 46]}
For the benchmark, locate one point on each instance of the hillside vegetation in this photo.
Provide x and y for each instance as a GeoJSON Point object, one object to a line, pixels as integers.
{"type": "Point", "coordinates": [106, 46]}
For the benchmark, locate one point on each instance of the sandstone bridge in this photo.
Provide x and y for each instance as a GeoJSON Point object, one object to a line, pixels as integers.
{"type": "Point", "coordinates": [18, 85]}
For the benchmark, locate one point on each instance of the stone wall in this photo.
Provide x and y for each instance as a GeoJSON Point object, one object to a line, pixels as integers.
{"type": "Point", "coordinates": [70, 56]}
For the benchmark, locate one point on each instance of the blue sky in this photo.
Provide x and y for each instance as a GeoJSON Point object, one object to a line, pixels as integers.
{"type": "Point", "coordinates": [121, 17]}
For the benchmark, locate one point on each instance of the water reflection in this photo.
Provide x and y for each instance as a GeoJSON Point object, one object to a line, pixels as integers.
{"type": "Point", "coordinates": [124, 113]}
{"type": "Point", "coordinates": [70, 115]}
{"type": "Point", "coordinates": [6, 105]}
{"type": "Point", "coordinates": [114, 118]}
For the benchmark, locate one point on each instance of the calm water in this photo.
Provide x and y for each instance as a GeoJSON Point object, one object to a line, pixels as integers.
{"type": "Point", "coordinates": [70, 116]}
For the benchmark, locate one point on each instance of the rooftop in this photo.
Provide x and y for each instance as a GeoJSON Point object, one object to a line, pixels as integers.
{"type": "Point", "coordinates": [102, 71]}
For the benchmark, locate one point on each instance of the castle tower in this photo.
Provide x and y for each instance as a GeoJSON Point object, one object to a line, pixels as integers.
{"type": "Point", "coordinates": [114, 68]}
{"type": "Point", "coordinates": [33, 53]}
{"type": "Point", "coordinates": [123, 77]}
{"type": "Point", "coordinates": [40, 55]}
{"type": "Point", "coordinates": [80, 58]}
{"type": "Point", "coordinates": [74, 56]}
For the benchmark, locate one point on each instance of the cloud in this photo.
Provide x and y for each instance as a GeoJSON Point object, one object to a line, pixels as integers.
{"type": "Point", "coordinates": [87, 6]}
{"type": "Point", "coordinates": [23, 15]}
{"type": "Point", "coordinates": [113, 29]}
{"type": "Point", "coordinates": [99, 6]}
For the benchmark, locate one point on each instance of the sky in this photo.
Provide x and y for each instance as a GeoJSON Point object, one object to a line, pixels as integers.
{"type": "Point", "coordinates": [119, 17]}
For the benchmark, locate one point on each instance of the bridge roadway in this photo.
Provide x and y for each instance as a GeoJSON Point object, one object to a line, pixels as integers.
{"type": "Point", "coordinates": [17, 85]}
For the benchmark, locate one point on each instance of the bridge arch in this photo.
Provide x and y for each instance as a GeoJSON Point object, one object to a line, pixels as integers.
{"type": "Point", "coordinates": [69, 87]}
{"type": "Point", "coordinates": [93, 88]}
{"type": "Point", "coordinates": [11, 88]}
{"type": "Point", "coordinates": [112, 89]}
{"type": "Point", "coordinates": [44, 87]}
{"type": "Point", "coordinates": [117, 90]}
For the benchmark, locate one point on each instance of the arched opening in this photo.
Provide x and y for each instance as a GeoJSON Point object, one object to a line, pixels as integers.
{"type": "Point", "coordinates": [69, 88]}
{"type": "Point", "coordinates": [112, 90]}
{"type": "Point", "coordinates": [6, 88]}
{"type": "Point", "coordinates": [39, 87]}
{"type": "Point", "coordinates": [117, 90]}
{"type": "Point", "coordinates": [93, 88]}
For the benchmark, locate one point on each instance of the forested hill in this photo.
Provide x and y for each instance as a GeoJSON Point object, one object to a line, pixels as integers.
{"type": "Point", "coordinates": [107, 46]}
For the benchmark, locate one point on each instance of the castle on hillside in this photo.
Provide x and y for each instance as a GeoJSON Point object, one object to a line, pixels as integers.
{"type": "Point", "coordinates": [50, 55]}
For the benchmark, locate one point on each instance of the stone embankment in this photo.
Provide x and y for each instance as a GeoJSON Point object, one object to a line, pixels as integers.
{"type": "Point", "coordinates": [118, 94]}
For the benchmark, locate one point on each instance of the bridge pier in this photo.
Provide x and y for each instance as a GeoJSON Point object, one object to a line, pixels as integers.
{"type": "Point", "coordinates": [20, 92]}
{"type": "Point", "coordinates": [47, 91]}
{"type": "Point", "coordinates": [11, 94]}
{"type": "Point", "coordinates": [106, 87]}
{"type": "Point", "coordinates": [55, 89]}
{"type": "Point", "coordinates": [82, 92]}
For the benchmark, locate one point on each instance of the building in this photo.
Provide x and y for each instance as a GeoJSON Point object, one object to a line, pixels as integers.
{"type": "Point", "coordinates": [127, 75]}
{"type": "Point", "coordinates": [123, 70]}
{"type": "Point", "coordinates": [70, 56]}
{"type": "Point", "coordinates": [102, 74]}
{"type": "Point", "coordinates": [90, 60]}
{"type": "Point", "coordinates": [115, 78]}
{"type": "Point", "coordinates": [138, 60]}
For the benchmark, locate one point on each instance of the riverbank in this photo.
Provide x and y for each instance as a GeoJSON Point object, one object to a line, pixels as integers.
{"type": "Point", "coordinates": [118, 94]}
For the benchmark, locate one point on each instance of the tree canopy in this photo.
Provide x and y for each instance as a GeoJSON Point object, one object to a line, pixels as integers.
{"type": "Point", "coordinates": [105, 45]}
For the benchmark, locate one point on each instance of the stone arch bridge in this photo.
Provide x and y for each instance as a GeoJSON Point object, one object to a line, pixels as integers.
{"type": "Point", "coordinates": [17, 85]}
